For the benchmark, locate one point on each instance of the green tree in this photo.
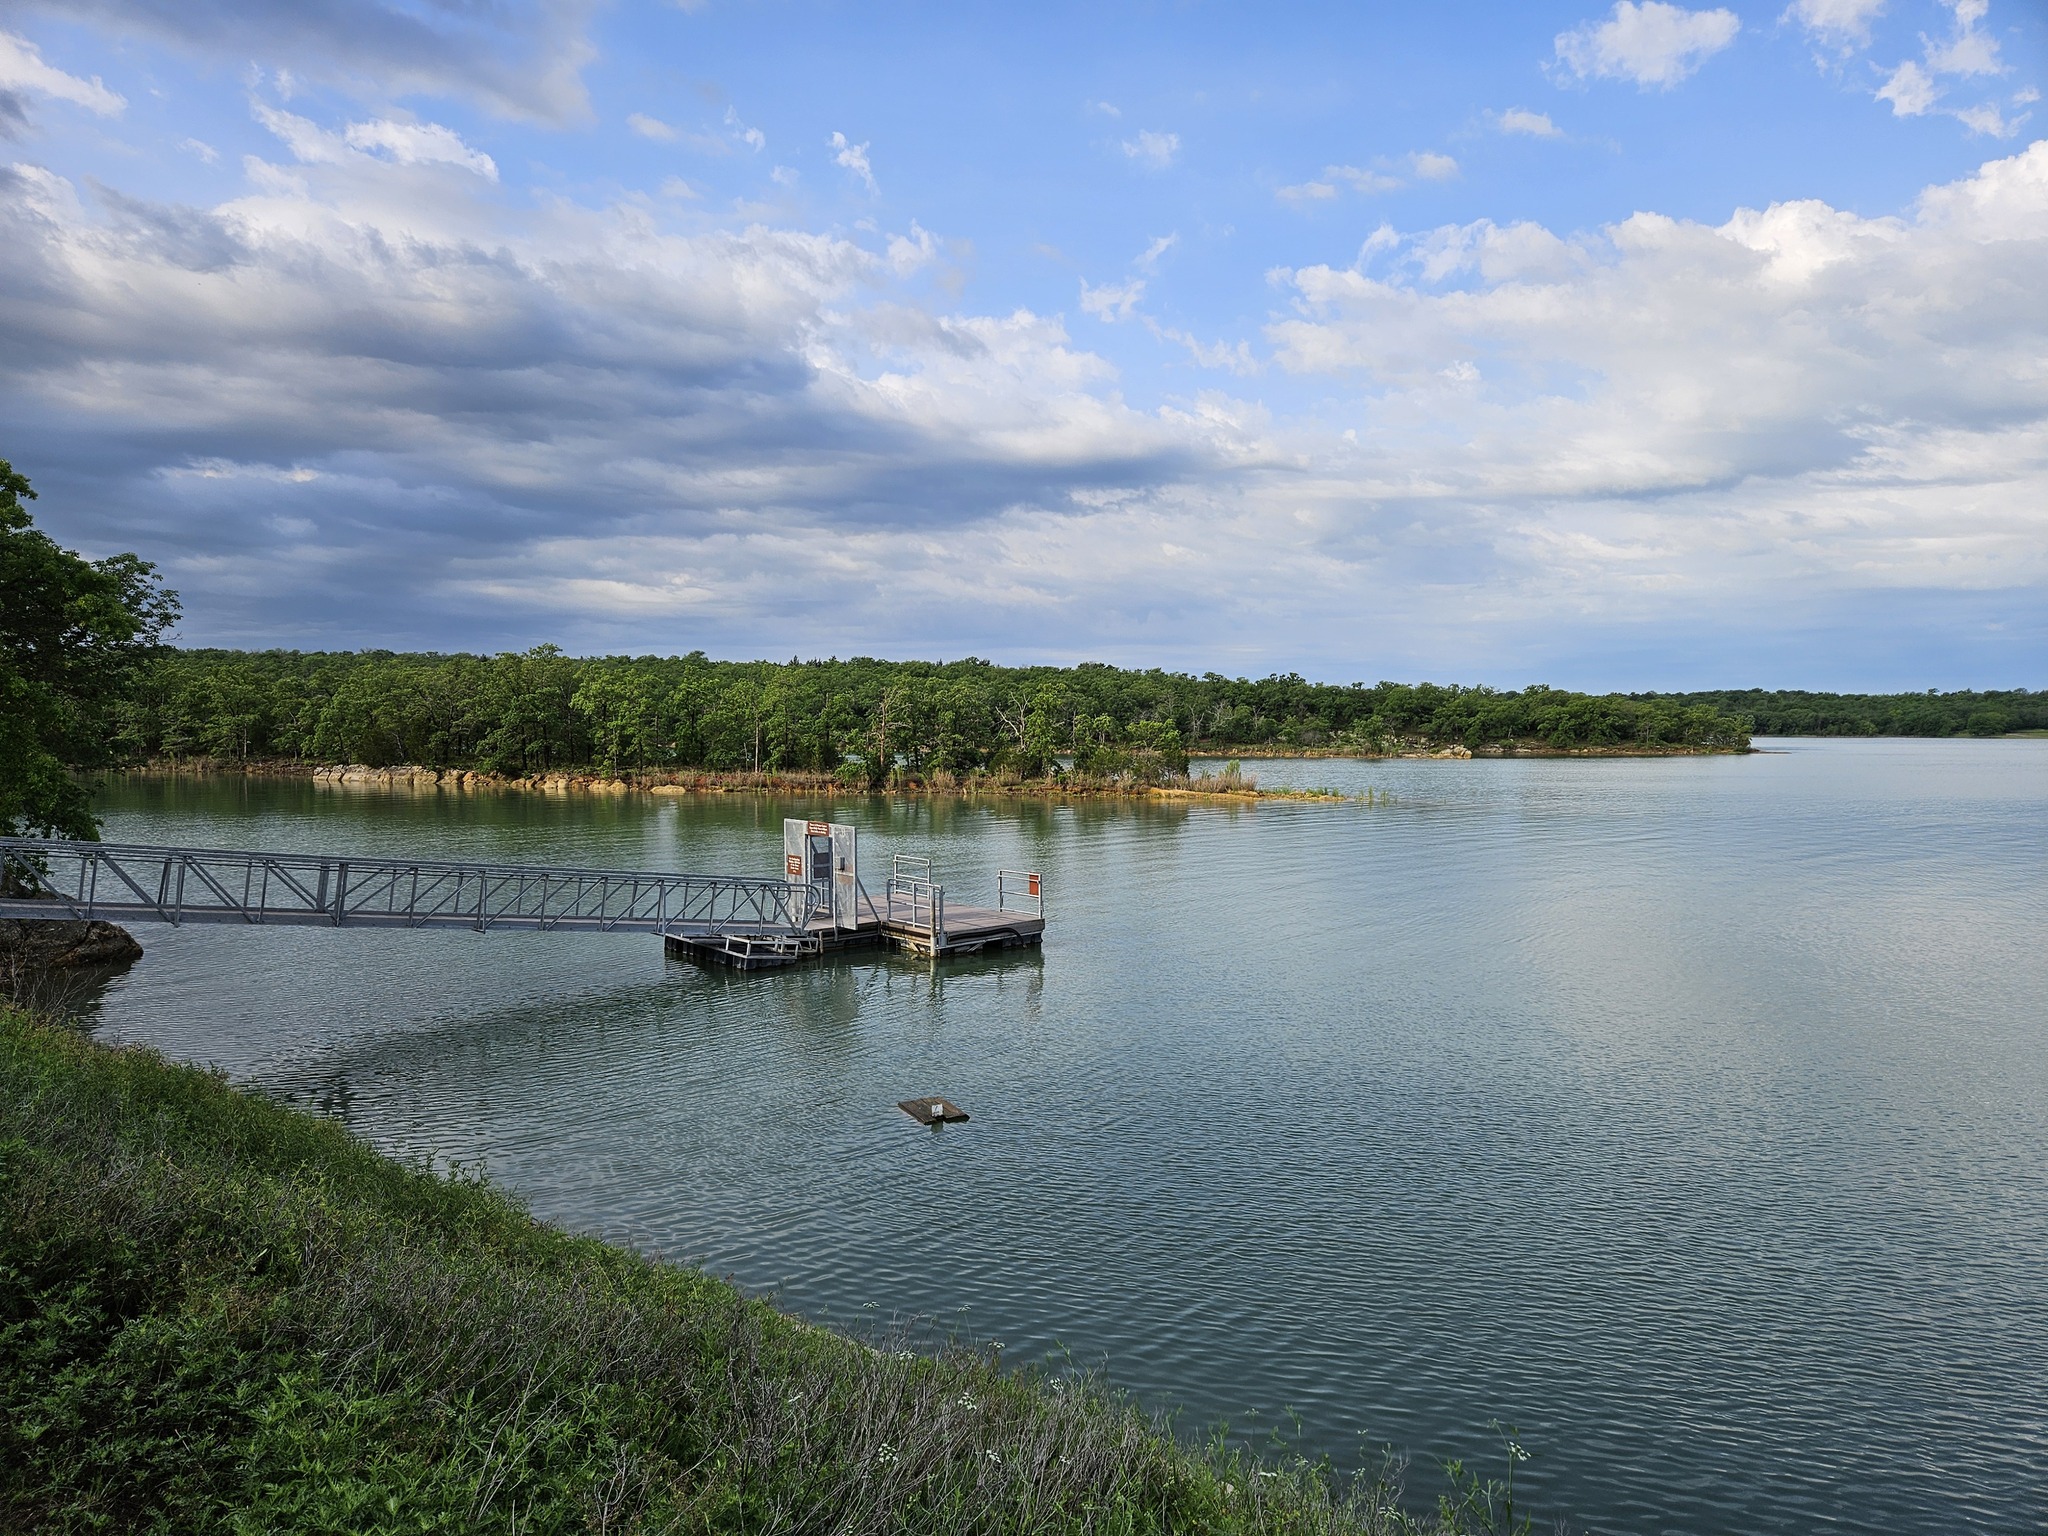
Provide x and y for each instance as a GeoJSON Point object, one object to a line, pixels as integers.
{"type": "Point", "coordinates": [73, 633]}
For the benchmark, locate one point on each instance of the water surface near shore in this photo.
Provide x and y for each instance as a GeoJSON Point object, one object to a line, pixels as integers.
{"type": "Point", "coordinates": [1689, 1114]}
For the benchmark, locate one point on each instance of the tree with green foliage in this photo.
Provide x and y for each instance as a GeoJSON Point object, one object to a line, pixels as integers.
{"type": "Point", "coordinates": [74, 633]}
{"type": "Point", "coordinates": [865, 720]}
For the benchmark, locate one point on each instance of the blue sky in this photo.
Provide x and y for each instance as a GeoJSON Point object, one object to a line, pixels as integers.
{"type": "Point", "coordinates": [1637, 346]}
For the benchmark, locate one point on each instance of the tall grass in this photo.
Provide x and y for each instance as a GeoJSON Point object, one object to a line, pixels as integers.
{"type": "Point", "coordinates": [221, 1314]}
{"type": "Point", "coordinates": [1231, 779]}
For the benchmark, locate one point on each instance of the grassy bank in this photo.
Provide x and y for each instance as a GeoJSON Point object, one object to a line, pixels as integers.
{"type": "Point", "coordinates": [219, 1314]}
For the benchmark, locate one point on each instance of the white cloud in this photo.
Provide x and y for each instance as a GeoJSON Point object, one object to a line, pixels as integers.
{"type": "Point", "coordinates": [1537, 125]}
{"type": "Point", "coordinates": [202, 149]}
{"type": "Point", "coordinates": [407, 411]}
{"type": "Point", "coordinates": [401, 143]}
{"type": "Point", "coordinates": [420, 144]}
{"type": "Point", "coordinates": [1363, 180]}
{"type": "Point", "coordinates": [1303, 193]}
{"type": "Point", "coordinates": [753, 138]}
{"type": "Point", "coordinates": [1966, 50]}
{"type": "Point", "coordinates": [1857, 398]}
{"type": "Point", "coordinates": [1148, 259]}
{"type": "Point", "coordinates": [1154, 151]}
{"type": "Point", "coordinates": [1652, 43]}
{"type": "Point", "coordinates": [1366, 181]}
{"type": "Point", "coordinates": [309, 143]}
{"type": "Point", "coordinates": [913, 252]}
{"type": "Point", "coordinates": [562, 413]}
{"type": "Point", "coordinates": [1111, 302]}
{"type": "Point", "coordinates": [1987, 119]}
{"type": "Point", "coordinates": [1910, 89]}
{"type": "Point", "coordinates": [650, 127]}
{"type": "Point", "coordinates": [1230, 356]}
{"type": "Point", "coordinates": [854, 157]}
{"type": "Point", "coordinates": [22, 70]}
{"type": "Point", "coordinates": [1914, 88]}
{"type": "Point", "coordinates": [1842, 24]}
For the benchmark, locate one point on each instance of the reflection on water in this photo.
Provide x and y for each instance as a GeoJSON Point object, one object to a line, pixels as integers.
{"type": "Point", "coordinates": [1688, 1114]}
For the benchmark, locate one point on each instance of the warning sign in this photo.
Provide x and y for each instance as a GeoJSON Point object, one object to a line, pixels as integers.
{"type": "Point", "coordinates": [818, 828]}
{"type": "Point", "coordinates": [794, 864]}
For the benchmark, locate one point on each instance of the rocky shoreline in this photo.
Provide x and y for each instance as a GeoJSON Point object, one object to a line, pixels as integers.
{"type": "Point", "coordinates": [415, 776]}
{"type": "Point", "coordinates": [411, 776]}
{"type": "Point", "coordinates": [65, 943]}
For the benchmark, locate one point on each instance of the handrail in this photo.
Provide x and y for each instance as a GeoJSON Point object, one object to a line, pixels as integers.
{"type": "Point", "coordinates": [927, 905]}
{"type": "Point", "coordinates": [182, 885]}
{"type": "Point", "coordinates": [1025, 886]}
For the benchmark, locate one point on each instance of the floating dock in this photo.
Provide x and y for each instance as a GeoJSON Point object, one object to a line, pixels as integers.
{"type": "Point", "coordinates": [912, 916]}
{"type": "Point", "coordinates": [938, 931]}
{"type": "Point", "coordinates": [968, 931]}
{"type": "Point", "coordinates": [933, 1111]}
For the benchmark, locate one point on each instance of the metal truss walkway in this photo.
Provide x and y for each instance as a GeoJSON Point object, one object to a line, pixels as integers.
{"type": "Point", "coordinates": [49, 877]}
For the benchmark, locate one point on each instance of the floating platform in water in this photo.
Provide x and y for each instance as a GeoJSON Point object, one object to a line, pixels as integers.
{"type": "Point", "coordinates": [912, 917]}
{"type": "Point", "coordinates": [932, 1111]}
{"type": "Point", "coordinates": [964, 931]}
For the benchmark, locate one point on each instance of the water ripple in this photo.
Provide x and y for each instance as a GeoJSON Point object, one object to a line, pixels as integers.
{"type": "Point", "coordinates": [1688, 1115]}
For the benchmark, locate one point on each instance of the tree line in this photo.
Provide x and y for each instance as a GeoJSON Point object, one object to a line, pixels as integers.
{"type": "Point", "coordinates": [75, 634]}
{"type": "Point", "coordinates": [538, 710]}
{"type": "Point", "coordinates": [1789, 712]}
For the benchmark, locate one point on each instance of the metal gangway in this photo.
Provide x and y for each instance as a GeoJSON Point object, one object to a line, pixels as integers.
{"type": "Point", "coordinates": [54, 877]}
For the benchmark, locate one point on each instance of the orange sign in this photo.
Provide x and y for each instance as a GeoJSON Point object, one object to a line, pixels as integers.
{"type": "Point", "coordinates": [794, 865]}
{"type": "Point", "coordinates": [1034, 885]}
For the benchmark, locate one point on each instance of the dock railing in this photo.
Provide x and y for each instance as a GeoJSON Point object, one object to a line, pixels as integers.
{"type": "Point", "coordinates": [914, 898]}
{"type": "Point", "coordinates": [45, 877]}
{"type": "Point", "coordinates": [1020, 890]}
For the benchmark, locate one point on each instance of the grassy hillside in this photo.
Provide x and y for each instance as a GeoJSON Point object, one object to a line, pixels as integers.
{"type": "Point", "coordinates": [220, 1314]}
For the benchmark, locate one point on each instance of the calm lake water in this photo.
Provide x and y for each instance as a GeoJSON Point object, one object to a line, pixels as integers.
{"type": "Point", "coordinates": [1689, 1115]}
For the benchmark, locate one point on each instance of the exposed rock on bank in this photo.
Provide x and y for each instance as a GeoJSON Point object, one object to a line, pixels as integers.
{"type": "Point", "coordinates": [65, 943]}
{"type": "Point", "coordinates": [410, 776]}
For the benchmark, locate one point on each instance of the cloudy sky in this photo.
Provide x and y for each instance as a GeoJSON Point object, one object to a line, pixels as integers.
{"type": "Point", "coordinates": [1633, 347]}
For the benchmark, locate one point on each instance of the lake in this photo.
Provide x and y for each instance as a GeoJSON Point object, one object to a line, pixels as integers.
{"type": "Point", "coordinates": [1689, 1115]}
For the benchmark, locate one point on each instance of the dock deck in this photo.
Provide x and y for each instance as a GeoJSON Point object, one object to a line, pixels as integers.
{"type": "Point", "coordinates": [912, 915]}
{"type": "Point", "coordinates": [965, 931]}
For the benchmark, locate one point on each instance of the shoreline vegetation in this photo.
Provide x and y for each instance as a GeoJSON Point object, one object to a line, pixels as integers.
{"type": "Point", "coordinates": [1228, 781]}
{"type": "Point", "coordinates": [541, 717]}
{"type": "Point", "coordinates": [224, 1314]}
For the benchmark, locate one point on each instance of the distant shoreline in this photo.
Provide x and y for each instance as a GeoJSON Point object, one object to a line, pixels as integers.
{"type": "Point", "coordinates": [1204, 786]}
{"type": "Point", "coordinates": [675, 782]}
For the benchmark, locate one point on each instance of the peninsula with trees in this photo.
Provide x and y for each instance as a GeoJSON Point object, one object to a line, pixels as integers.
{"type": "Point", "coordinates": [860, 723]}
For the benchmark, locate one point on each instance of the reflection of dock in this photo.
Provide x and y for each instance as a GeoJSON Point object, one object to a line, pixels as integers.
{"type": "Point", "coordinates": [968, 931]}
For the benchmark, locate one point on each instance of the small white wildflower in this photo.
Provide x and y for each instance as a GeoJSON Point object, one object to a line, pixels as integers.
{"type": "Point", "coordinates": [968, 1402]}
{"type": "Point", "coordinates": [992, 1456]}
